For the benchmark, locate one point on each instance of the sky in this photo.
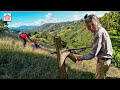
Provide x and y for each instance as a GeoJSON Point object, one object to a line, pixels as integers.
{"type": "Point", "coordinates": [37, 18]}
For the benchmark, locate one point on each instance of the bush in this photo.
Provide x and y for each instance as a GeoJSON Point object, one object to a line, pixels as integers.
{"type": "Point", "coordinates": [116, 58]}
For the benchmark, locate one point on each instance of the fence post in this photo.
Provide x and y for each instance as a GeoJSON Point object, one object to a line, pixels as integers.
{"type": "Point", "coordinates": [62, 74]}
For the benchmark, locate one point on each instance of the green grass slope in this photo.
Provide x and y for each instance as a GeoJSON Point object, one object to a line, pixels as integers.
{"type": "Point", "coordinates": [19, 63]}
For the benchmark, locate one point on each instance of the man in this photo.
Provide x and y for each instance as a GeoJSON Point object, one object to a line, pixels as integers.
{"type": "Point", "coordinates": [101, 48]}
{"type": "Point", "coordinates": [24, 37]}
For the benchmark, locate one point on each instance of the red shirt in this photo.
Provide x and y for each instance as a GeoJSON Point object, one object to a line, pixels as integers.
{"type": "Point", "coordinates": [34, 40]}
{"type": "Point", "coordinates": [24, 35]}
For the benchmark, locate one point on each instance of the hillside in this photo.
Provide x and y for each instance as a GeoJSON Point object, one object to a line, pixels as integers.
{"type": "Point", "coordinates": [48, 27]}
{"type": "Point", "coordinates": [16, 62]}
{"type": "Point", "coordinates": [76, 35]}
{"type": "Point", "coordinates": [19, 63]}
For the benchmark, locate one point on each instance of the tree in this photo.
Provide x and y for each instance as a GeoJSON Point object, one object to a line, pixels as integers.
{"type": "Point", "coordinates": [111, 21]}
{"type": "Point", "coordinates": [3, 25]}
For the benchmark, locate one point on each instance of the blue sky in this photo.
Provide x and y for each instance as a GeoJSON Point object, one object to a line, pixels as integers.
{"type": "Point", "coordinates": [38, 18]}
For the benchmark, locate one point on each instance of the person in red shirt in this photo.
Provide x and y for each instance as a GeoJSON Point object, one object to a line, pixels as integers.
{"type": "Point", "coordinates": [35, 44]}
{"type": "Point", "coordinates": [24, 37]}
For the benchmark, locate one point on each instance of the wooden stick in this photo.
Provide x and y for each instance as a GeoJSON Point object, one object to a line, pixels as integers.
{"type": "Point", "coordinates": [62, 74]}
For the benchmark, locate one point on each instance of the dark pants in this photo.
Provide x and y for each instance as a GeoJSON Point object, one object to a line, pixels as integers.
{"type": "Point", "coordinates": [35, 45]}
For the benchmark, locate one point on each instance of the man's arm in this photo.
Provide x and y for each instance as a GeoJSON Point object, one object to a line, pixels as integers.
{"type": "Point", "coordinates": [95, 49]}
{"type": "Point", "coordinates": [28, 38]}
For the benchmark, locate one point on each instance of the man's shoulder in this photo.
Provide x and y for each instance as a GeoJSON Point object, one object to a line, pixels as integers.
{"type": "Point", "coordinates": [101, 30]}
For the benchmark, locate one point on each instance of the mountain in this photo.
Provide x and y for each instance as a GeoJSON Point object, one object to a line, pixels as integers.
{"type": "Point", "coordinates": [22, 27]}
{"type": "Point", "coordinates": [45, 27]}
{"type": "Point", "coordinates": [49, 27]}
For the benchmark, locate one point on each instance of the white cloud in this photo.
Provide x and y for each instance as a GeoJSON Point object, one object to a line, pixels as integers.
{"type": "Point", "coordinates": [19, 24]}
{"type": "Point", "coordinates": [76, 17]}
{"type": "Point", "coordinates": [39, 22]}
{"type": "Point", "coordinates": [16, 24]}
{"type": "Point", "coordinates": [47, 19]}
{"type": "Point", "coordinates": [49, 16]}
{"type": "Point", "coordinates": [80, 14]}
{"type": "Point", "coordinates": [98, 13]}
{"type": "Point", "coordinates": [54, 20]}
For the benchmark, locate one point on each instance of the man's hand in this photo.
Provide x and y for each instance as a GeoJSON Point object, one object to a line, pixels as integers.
{"type": "Point", "coordinates": [78, 58]}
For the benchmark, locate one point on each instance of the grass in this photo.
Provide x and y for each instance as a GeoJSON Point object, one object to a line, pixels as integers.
{"type": "Point", "coordinates": [86, 70]}
{"type": "Point", "coordinates": [25, 63]}
{"type": "Point", "coordinates": [19, 63]}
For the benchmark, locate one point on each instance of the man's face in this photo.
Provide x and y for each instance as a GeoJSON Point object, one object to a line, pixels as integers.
{"type": "Point", "coordinates": [91, 26]}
